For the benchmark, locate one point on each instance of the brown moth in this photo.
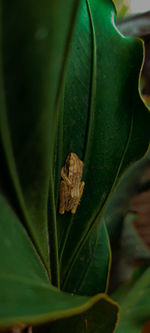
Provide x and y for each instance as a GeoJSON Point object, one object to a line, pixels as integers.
{"type": "Point", "coordinates": [71, 186]}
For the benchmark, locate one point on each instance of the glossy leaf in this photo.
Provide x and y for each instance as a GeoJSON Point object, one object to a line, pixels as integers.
{"type": "Point", "coordinates": [104, 118]}
{"type": "Point", "coordinates": [135, 305]}
{"type": "Point", "coordinates": [26, 295]}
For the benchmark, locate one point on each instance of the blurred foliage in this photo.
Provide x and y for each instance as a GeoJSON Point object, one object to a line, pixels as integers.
{"type": "Point", "coordinates": [122, 6]}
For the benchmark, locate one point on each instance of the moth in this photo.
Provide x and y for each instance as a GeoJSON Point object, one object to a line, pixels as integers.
{"type": "Point", "coordinates": [71, 186]}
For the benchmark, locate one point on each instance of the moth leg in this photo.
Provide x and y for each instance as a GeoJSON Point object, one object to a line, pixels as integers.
{"type": "Point", "coordinates": [73, 211]}
{"type": "Point", "coordinates": [62, 193]}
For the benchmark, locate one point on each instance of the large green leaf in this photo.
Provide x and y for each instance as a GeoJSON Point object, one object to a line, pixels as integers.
{"type": "Point", "coordinates": [26, 295]}
{"type": "Point", "coordinates": [134, 300]}
{"type": "Point", "coordinates": [103, 120]}
{"type": "Point", "coordinates": [35, 39]}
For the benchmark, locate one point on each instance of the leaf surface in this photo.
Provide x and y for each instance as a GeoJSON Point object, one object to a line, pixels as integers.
{"type": "Point", "coordinates": [104, 118]}
{"type": "Point", "coordinates": [34, 43]}
{"type": "Point", "coordinates": [91, 273]}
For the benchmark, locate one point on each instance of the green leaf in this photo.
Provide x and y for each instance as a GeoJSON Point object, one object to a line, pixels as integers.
{"type": "Point", "coordinates": [26, 295]}
{"type": "Point", "coordinates": [104, 121]}
{"type": "Point", "coordinates": [94, 320]}
{"type": "Point", "coordinates": [35, 39]}
{"type": "Point", "coordinates": [134, 301]}
{"type": "Point", "coordinates": [92, 268]}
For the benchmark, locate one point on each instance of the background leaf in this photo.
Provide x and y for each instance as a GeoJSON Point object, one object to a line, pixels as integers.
{"type": "Point", "coordinates": [134, 181]}
{"type": "Point", "coordinates": [134, 301]}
